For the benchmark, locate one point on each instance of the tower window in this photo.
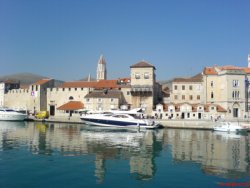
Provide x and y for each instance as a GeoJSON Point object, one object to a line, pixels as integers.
{"type": "Point", "coordinates": [146, 75]}
{"type": "Point", "coordinates": [212, 95]}
{"type": "Point", "coordinates": [212, 84]}
{"type": "Point", "coordinates": [137, 76]}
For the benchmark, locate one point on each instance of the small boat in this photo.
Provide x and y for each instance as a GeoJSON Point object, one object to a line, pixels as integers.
{"type": "Point", "coordinates": [7, 114]}
{"type": "Point", "coordinates": [229, 127]}
{"type": "Point", "coordinates": [121, 120]}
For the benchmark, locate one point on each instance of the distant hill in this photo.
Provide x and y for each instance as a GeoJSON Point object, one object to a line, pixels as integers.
{"type": "Point", "coordinates": [24, 78]}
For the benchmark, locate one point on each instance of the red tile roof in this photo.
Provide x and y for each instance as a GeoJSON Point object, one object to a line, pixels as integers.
{"type": "Point", "coordinates": [142, 64]}
{"type": "Point", "coordinates": [210, 71]}
{"type": "Point", "coordinates": [79, 84]}
{"type": "Point", "coordinates": [41, 82]}
{"type": "Point", "coordinates": [71, 105]}
{"type": "Point", "coordinates": [213, 71]}
{"type": "Point", "coordinates": [110, 84]}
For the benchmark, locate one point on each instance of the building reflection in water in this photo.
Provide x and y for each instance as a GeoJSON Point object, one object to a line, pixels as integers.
{"type": "Point", "coordinates": [219, 154]}
{"type": "Point", "coordinates": [138, 147]}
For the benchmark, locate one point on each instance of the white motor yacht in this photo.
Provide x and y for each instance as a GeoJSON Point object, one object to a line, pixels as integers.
{"type": "Point", "coordinates": [7, 114]}
{"type": "Point", "coordinates": [118, 120]}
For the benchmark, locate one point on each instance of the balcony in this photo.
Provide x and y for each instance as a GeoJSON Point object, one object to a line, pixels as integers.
{"type": "Point", "coordinates": [141, 89]}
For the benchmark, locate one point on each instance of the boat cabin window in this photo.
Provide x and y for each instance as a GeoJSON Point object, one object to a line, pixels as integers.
{"type": "Point", "coordinates": [120, 116]}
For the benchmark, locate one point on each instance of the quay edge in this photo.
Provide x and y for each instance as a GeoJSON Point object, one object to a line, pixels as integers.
{"type": "Point", "coordinates": [178, 124]}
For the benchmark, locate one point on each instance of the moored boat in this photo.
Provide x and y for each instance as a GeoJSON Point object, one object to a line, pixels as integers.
{"type": "Point", "coordinates": [229, 127]}
{"type": "Point", "coordinates": [7, 114]}
{"type": "Point", "coordinates": [119, 120]}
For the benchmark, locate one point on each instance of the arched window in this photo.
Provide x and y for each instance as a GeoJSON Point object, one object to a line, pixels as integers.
{"type": "Point", "coordinates": [71, 98]}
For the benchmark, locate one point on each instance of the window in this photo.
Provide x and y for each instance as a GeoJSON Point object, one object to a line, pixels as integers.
{"type": "Point", "coordinates": [71, 98]}
{"type": "Point", "coordinates": [212, 84]}
{"type": "Point", "coordinates": [236, 83]}
{"type": "Point", "coordinates": [137, 76]}
{"type": "Point", "coordinates": [146, 75]}
{"type": "Point", "coordinates": [63, 89]}
{"type": "Point", "coordinates": [198, 97]}
{"type": "Point", "coordinates": [175, 87]}
{"type": "Point", "coordinates": [75, 89]}
{"type": "Point", "coordinates": [69, 89]}
{"type": "Point", "coordinates": [111, 100]}
{"type": "Point", "coordinates": [183, 97]}
{"type": "Point", "coordinates": [190, 87]}
{"type": "Point", "coordinates": [36, 87]}
{"type": "Point", "coordinates": [190, 97]}
{"type": "Point", "coordinates": [176, 97]}
{"type": "Point", "coordinates": [183, 87]}
{"type": "Point", "coordinates": [236, 94]}
{"type": "Point", "coordinates": [128, 92]}
{"type": "Point", "coordinates": [212, 95]}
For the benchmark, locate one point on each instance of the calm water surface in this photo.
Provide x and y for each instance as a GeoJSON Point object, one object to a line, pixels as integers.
{"type": "Point", "coordinates": [64, 155]}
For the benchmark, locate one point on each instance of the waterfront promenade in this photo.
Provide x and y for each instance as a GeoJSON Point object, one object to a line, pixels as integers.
{"type": "Point", "coordinates": [182, 124]}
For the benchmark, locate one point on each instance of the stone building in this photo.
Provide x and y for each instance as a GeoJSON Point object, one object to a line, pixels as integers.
{"type": "Point", "coordinates": [103, 94]}
{"type": "Point", "coordinates": [218, 92]}
{"type": "Point", "coordinates": [228, 86]}
{"type": "Point", "coordinates": [5, 87]}
{"type": "Point", "coordinates": [31, 98]}
{"type": "Point", "coordinates": [188, 90]}
{"type": "Point", "coordinates": [144, 89]}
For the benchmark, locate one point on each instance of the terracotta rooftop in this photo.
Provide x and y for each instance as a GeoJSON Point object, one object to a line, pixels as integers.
{"type": "Point", "coordinates": [210, 71]}
{"type": "Point", "coordinates": [79, 84]}
{"type": "Point", "coordinates": [142, 64]}
{"type": "Point", "coordinates": [72, 105]}
{"type": "Point", "coordinates": [111, 84]}
{"type": "Point", "coordinates": [213, 71]}
{"type": "Point", "coordinates": [41, 82]}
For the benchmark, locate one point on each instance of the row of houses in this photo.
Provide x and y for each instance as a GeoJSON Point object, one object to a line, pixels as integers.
{"type": "Point", "coordinates": [216, 92]}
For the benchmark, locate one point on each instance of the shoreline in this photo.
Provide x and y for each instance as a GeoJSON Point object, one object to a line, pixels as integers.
{"type": "Point", "coordinates": [179, 124]}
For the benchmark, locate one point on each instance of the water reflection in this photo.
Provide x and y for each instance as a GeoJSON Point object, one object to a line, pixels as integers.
{"type": "Point", "coordinates": [219, 154]}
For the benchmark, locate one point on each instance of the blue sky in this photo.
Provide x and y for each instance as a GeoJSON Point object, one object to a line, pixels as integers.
{"type": "Point", "coordinates": [64, 39]}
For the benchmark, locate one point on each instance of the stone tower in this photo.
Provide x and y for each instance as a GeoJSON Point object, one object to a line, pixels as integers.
{"type": "Point", "coordinates": [101, 72]}
{"type": "Point", "coordinates": [248, 60]}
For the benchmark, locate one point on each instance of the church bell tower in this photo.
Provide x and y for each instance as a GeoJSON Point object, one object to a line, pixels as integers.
{"type": "Point", "coordinates": [101, 72]}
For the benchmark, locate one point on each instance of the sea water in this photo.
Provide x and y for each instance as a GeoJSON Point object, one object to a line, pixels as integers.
{"type": "Point", "coordinates": [47, 155]}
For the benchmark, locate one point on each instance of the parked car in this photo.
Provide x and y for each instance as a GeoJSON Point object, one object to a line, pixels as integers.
{"type": "Point", "coordinates": [42, 115]}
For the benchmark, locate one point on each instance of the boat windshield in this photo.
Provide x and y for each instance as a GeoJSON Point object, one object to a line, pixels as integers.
{"type": "Point", "coordinates": [120, 116]}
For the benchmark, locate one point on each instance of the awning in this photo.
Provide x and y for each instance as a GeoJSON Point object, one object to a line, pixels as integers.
{"type": "Point", "coordinates": [72, 105]}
